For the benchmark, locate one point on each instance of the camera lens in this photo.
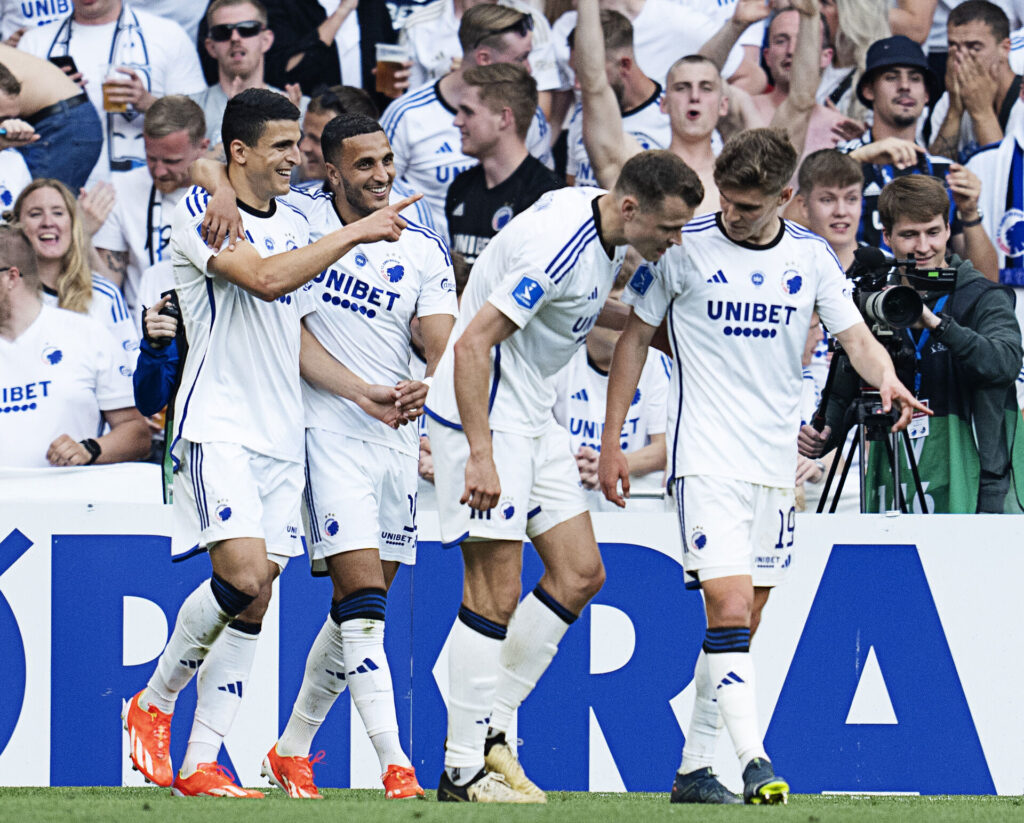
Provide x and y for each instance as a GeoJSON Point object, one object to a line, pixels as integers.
{"type": "Point", "coordinates": [898, 307]}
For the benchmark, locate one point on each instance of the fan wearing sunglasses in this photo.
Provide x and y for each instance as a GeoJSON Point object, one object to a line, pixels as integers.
{"type": "Point", "coordinates": [238, 39]}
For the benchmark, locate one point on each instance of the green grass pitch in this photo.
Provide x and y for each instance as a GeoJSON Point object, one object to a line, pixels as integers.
{"type": "Point", "coordinates": [365, 806]}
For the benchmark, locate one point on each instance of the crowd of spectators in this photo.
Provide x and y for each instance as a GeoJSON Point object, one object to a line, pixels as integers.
{"type": "Point", "coordinates": [105, 110]}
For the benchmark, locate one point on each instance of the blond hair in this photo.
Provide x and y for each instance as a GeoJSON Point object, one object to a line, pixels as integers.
{"type": "Point", "coordinates": [74, 283]}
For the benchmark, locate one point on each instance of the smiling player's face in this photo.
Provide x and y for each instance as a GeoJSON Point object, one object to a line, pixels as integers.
{"type": "Point", "coordinates": [270, 162]}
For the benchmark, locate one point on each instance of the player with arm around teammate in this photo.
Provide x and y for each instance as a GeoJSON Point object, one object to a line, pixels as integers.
{"type": "Point", "coordinates": [238, 440]}
{"type": "Point", "coordinates": [747, 283]}
{"type": "Point", "coordinates": [503, 467]}
{"type": "Point", "coordinates": [362, 475]}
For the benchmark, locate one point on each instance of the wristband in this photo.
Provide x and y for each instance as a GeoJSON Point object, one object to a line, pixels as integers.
{"type": "Point", "coordinates": [940, 330]}
{"type": "Point", "coordinates": [93, 448]}
{"type": "Point", "coordinates": [428, 381]}
{"type": "Point", "coordinates": [969, 224]}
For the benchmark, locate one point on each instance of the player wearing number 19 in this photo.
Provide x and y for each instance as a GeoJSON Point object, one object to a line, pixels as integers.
{"type": "Point", "coordinates": [747, 282]}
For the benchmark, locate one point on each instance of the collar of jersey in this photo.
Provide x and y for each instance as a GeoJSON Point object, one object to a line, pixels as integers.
{"type": "Point", "coordinates": [597, 225]}
{"type": "Point", "coordinates": [652, 99]}
{"type": "Point", "coordinates": [257, 212]}
{"type": "Point", "coordinates": [747, 245]}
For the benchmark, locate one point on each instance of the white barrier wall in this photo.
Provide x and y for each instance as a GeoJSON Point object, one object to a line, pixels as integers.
{"type": "Point", "coordinates": [888, 662]}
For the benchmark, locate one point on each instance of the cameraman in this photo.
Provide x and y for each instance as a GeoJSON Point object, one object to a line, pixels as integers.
{"type": "Point", "coordinates": [966, 351]}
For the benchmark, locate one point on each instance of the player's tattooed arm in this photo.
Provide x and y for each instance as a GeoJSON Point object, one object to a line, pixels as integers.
{"type": "Point", "coordinates": [115, 264]}
{"type": "Point", "coordinates": [623, 377]}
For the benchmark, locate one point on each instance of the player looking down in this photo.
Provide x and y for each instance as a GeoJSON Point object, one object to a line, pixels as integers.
{"type": "Point", "coordinates": [747, 282]}
{"type": "Point", "coordinates": [503, 467]}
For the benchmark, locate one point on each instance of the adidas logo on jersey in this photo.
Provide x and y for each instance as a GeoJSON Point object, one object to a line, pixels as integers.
{"type": "Point", "coordinates": [717, 277]}
{"type": "Point", "coordinates": [233, 688]}
{"type": "Point", "coordinates": [581, 395]}
{"type": "Point", "coordinates": [593, 295]}
{"type": "Point", "coordinates": [459, 210]}
{"type": "Point", "coordinates": [445, 149]}
{"type": "Point", "coordinates": [872, 189]}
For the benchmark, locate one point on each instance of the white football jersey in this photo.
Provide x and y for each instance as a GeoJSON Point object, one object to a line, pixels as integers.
{"type": "Point", "coordinates": [647, 123]}
{"type": "Point", "coordinates": [140, 224]}
{"type": "Point", "coordinates": [107, 306]}
{"type": "Point", "coordinates": [581, 390]}
{"type": "Point", "coordinates": [549, 274]}
{"type": "Point", "coordinates": [240, 382]}
{"type": "Point", "coordinates": [428, 146]}
{"type": "Point", "coordinates": [365, 303]}
{"type": "Point", "coordinates": [59, 376]}
{"type": "Point", "coordinates": [1017, 51]}
{"type": "Point", "coordinates": [738, 330]}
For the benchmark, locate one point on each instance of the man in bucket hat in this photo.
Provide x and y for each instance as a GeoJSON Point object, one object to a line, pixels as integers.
{"type": "Point", "coordinates": [897, 84]}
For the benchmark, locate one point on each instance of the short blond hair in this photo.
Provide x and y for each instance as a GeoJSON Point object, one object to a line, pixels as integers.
{"type": "Point", "coordinates": [506, 84]}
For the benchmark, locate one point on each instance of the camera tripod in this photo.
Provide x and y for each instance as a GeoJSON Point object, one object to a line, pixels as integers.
{"type": "Point", "coordinates": [872, 425]}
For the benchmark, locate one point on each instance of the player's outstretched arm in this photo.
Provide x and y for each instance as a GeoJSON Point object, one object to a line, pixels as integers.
{"type": "Point", "coordinates": [221, 220]}
{"type": "Point", "coordinates": [607, 145]}
{"type": "Point", "coordinates": [472, 375]}
{"type": "Point", "coordinates": [269, 278]}
{"type": "Point", "coordinates": [319, 367]}
{"type": "Point", "coordinates": [627, 366]}
{"type": "Point", "coordinates": [872, 362]}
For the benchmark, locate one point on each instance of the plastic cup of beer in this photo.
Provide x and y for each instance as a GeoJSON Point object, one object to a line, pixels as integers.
{"type": "Point", "coordinates": [112, 80]}
{"type": "Point", "coordinates": [391, 58]}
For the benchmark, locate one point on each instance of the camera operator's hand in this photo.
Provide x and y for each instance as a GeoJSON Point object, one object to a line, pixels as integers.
{"type": "Point", "coordinates": [892, 150]}
{"type": "Point", "coordinates": [811, 442]}
{"type": "Point", "coordinates": [892, 391]}
{"type": "Point", "coordinates": [965, 187]}
{"type": "Point", "coordinates": [928, 320]}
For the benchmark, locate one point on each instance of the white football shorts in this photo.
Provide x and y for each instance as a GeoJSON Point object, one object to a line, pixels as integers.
{"type": "Point", "coordinates": [224, 490]}
{"type": "Point", "coordinates": [359, 496]}
{"type": "Point", "coordinates": [540, 484]}
{"type": "Point", "coordinates": [732, 527]}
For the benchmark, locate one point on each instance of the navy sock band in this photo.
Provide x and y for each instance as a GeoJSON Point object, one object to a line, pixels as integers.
{"type": "Point", "coordinates": [228, 597]}
{"type": "Point", "coordinates": [479, 623]}
{"type": "Point", "coordinates": [369, 604]}
{"type": "Point", "coordinates": [245, 626]}
{"type": "Point", "coordinates": [727, 639]}
{"type": "Point", "coordinates": [554, 605]}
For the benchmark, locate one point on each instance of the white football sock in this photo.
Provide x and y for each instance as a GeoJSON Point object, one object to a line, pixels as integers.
{"type": "Point", "coordinates": [732, 680]}
{"type": "Point", "coordinates": [472, 678]}
{"type": "Point", "coordinates": [533, 636]}
{"type": "Point", "coordinates": [200, 622]}
{"type": "Point", "coordinates": [369, 678]}
{"type": "Point", "coordinates": [322, 682]}
{"type": "Point", "coordinates": [705, 722]}
{"type": "Point", "coordinates": [220, 688]}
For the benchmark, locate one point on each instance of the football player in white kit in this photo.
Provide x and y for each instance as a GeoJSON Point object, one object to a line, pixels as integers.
{"type": "Point", "coordinates": [362, 474]}
{"type": "Point", "coordinates": [238, 440]}
{"type": "Point", "coordinates": [746, 282]}
{"type": "Point", "coordinates": [503, 467]}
